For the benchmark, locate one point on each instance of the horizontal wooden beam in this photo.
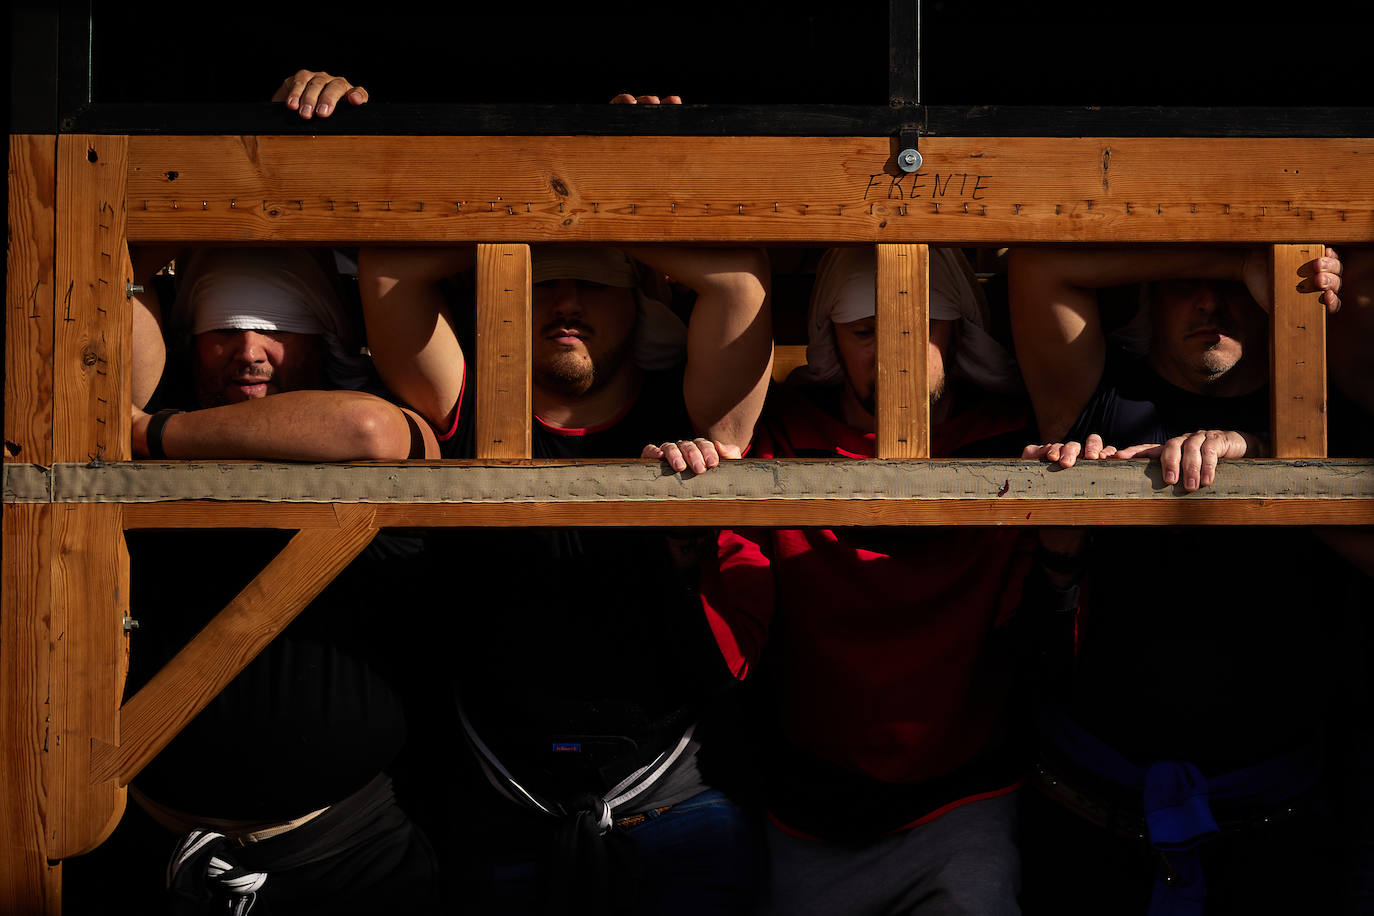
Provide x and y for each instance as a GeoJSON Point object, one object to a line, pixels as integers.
{"type": "Point", "coordinates": [629, 481]}
{"type": "Point", "coordinates": [750, 492]}
{"type": "Point", "coordinates": [992, 190]}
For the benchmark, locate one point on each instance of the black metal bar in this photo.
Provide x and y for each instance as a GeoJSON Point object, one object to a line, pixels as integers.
{"type": "Point", "coordinates": [904, 53]}
{"type": "Point", "coordinates": [33, 68]}
{"type": "Point", "coordinates": [1142, 121]}
{"type": "Point", "coordinates": [495, 120]}
{"type": "Point", "coordinates": [728, 120]}
{"type": "Point", "coordinates": [74, 61]}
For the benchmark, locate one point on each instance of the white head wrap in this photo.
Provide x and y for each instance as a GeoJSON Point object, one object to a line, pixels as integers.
{"type": "Point", "coordinates": [270, 289]}
{"type": "Point", "coordinates": [660, 336]}
{"type": "Point", "coordinates": [846, 290]}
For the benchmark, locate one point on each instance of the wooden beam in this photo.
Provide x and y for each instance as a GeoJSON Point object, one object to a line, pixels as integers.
{"type": "Point", "coordinates": [289, 488]}
{"type": "Point", "coordinates": [28, 884]}
{"type": "Point", "coordinates": [1297, 359]}
{"type": "Point", "coordinates": [792, 513]}
{"type": "Point", "coordinates": [992, 190]}
{"type": "Point", "coordinates": [92, 338]}
{"type": "Point", "coordinates": [215, 656]}
{"type": "Point", "coordinates": [90, 658]}
{"type": "Point", "coordinates": [90, 423]}
{"type": "Point", "coordinates": [504, 415]}
{"type": "Point", "coordinates": [903, 392]}
{"type": "Point", "coordinates": [29, 285]}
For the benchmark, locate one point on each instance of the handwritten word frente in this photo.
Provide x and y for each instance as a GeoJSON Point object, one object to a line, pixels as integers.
{"type": "Point", "coordinates": [911, 185]}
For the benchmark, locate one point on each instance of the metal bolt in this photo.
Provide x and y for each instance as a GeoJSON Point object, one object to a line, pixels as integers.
{"type": "Point", "coordinates": [130, 624]}
{"type": "Point", "coordinates": [909, 160]}
{"type": "Point", "coordinates": [130, 289]}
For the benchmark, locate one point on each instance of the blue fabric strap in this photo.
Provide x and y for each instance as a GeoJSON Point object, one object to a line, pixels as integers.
{"type": "Point", "coordinates": [1176, 798]}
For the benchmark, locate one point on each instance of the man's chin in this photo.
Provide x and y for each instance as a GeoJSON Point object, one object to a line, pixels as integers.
{"type": "Point", "coordinates": [237, 394]}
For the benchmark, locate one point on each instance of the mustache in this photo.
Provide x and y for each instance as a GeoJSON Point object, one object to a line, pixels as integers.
{"type": "Point", "coordinates": [1225, 326]}
{"type": "Point", "coordinates": [262, 373]}
{"type": "Point", "coordinates": [553, 327]}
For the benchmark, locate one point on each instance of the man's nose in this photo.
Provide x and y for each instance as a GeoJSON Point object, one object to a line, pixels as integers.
{"type": "Point", "coordinates": [248, 347]}
{"type": "Point", "coordinates": [1206, 299]}
{"type": "Point", "coordinates": [565, 299]}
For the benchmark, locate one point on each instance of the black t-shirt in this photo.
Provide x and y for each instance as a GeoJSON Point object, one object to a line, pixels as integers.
{"type": "Point", "coordinates": [1204, 644]}
{"type": "Point", "coordinates": [310, 720]}
{"type": "Point", "coordinates": [577, 637]}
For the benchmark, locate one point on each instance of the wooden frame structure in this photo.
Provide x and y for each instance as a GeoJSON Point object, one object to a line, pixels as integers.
{"type": "Point", "coordinates": [76, 199]}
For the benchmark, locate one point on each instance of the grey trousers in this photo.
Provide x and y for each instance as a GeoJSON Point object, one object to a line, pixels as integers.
{"type": "Point", "coordinates": [963, 862]}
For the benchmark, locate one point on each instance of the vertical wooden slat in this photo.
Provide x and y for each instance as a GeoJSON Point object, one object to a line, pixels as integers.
{"type": "Point", "coordinates": [90, 423]}
{"type": "Point", "coordinates": [903, 339]}
{"type": "Point", "coordinates": [1297, 359]}
{"type": "Point", "coordinates": [93, 312]}
{"type": "Point", "coordinates": [29, 299]}
{"type": "Point", "coordinates": [28, 884]}
{"type": "Point", "coordinates": [232, 639]}
{"type": "Point", "coordinates": [504, 414]}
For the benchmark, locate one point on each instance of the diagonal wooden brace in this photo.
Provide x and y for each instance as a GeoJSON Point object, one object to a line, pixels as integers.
{"type": "Point", "coordinates": [186, 684]}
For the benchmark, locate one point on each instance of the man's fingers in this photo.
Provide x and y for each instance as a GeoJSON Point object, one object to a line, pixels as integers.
{"type": "Point", "coordinates": [1092, 447]}
{"type": "Point", "coordinates": [292, 87]}
{"type": "Point", "coordinates": [626, 98]}
{"type": "Point", "coordinates": [728, 451]}
{"type": "Point", "coordinates": [691, 452]}
{"type": "Point", "coordinates": [335, 90]}
{"type": "Point", "coordinates": [670, 453]}
{"type": "Point", "coordinates": [1170, 457]}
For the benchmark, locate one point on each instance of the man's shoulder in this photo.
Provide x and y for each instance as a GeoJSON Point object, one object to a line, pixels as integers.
{"type": "Point", "coordinates": [803, 421]}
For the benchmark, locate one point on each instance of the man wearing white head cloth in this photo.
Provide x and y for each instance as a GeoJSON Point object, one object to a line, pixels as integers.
{"type": "Point", "coordinates": [888, 776]}
{"type": "Point", "coordinates": [582, 662]}
{"type": "Point", "coordinates": [280, 788]}
{"type": "Point", "coordinates": [259, 322]}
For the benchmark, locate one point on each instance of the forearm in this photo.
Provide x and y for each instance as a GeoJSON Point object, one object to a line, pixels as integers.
{"type": "Point", "coordinates": [291, 426]}
{"type": "Point", "coordinates": [729, 336]}
{"type": "Point", "coordinates": [409, 329]}
{"type": "Point", "coordinates": [1059, 341]}
{"type": "Point", "coordinates": [149, 347]}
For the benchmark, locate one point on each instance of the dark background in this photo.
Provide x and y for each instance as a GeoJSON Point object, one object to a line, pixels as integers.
{"type": "Point", "coordinates": [974, 53]}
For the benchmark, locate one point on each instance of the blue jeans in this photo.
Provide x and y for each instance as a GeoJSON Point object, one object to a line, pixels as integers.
{"type": "Point", "coordinates": [702, 856]}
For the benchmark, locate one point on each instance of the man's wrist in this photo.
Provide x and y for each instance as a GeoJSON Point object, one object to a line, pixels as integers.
{"type": "Point", "coordinates": [153, 434]}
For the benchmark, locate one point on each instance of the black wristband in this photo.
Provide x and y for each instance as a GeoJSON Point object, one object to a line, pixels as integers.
{"type": "Point", "coordinates": [154, 436]}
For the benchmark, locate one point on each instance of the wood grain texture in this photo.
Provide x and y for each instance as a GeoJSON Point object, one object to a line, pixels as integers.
{"type": "Point", "coordinates": [748, 189]}
{"type": "Point", "coordinates": [29, 286]}
{"type": "Point", "coordinates": [903, 393]}
{"type": "Point", "coordinates": [90, 583]}
{"type": "Point", "coordinates": [504, 416]}
{"type": "Point", "coordinates": [28, 884]}
{"type": "Point", "coordinates": [1297, 359]}
{"type": "Point", "coordinates": [787, 357]}
{"type": "Point", "coordinates": [215, 656]}
{"type": "Point", "coordinates": [90, 422]}
{"type": "Point", "coordinates": [92, 322]}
